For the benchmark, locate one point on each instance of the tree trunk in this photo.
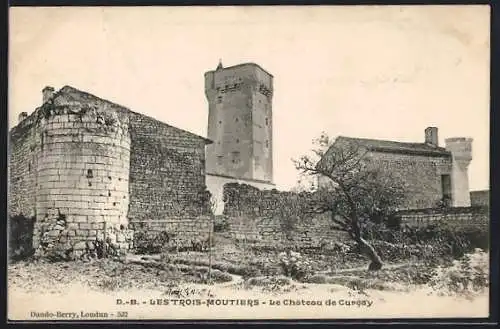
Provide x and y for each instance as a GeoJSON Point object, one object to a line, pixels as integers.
{"type": "Point", "coordinates": [376, 262]}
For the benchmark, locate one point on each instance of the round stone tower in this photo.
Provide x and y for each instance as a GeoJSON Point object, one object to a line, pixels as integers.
{"type": "Point", "coordinates": [461, 151]}
{"type": "Point", "coordinates": [82, 173]}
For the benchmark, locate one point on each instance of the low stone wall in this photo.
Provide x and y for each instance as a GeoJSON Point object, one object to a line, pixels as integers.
{"type": "Point", "coordinates": [272, 218]}
{"type": "Point", "coordinates": [459, 216]}
{"type": "Point", "coordinates": [311, 232]}
{"type": "Point", "coordinates": [185, 231]}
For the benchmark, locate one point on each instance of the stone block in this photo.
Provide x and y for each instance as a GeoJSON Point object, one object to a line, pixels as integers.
{"type": "Point", "coordinates": [53, 233]}
{"type": "Point", "coordinates": [97, 226]}
{"type": "Point", "coordinates": [80, 219]}
{"type": "Point", "coordinates": [81, 245]}
{"type": "Point", "coordinates": [82, 233]}
{"type": "Point", "coordinates": [85, 226]}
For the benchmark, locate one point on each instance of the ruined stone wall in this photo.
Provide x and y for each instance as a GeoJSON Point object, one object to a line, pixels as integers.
{"type": "Point", "coordinates": [183, 230]}
{"type": "Point", "coordinates": [167, 172]}
{"type": "Point", "coordinates": [22, 169]}
{"type": "Point", "coordinates": [274, 218]}
{"type": "Point", "coordinates": [215, 184]}
{"type": "Point", "coordinates": [459, 216]}
{"type": "Point", "coordinates": [421, 174]}
{"type": "Point", "coordinates": [480, 198]}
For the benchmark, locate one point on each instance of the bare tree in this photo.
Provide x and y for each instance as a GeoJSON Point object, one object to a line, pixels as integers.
{"type": "Point", "coordinates": [358, 189]}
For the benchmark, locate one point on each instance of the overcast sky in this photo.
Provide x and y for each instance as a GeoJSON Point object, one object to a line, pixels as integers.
{"type": "Point", "coordinates": [376, 72]}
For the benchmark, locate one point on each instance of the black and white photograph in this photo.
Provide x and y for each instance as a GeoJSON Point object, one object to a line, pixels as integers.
{"type": "Point", "coordinates": [248, 162]}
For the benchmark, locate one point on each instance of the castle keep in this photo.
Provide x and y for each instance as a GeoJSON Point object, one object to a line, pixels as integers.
{"type": "Point", "coordinates": [240, 126]}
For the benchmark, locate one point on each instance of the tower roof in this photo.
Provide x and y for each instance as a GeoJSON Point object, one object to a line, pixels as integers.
{"type": "Point", "coordinates": [220, 67]}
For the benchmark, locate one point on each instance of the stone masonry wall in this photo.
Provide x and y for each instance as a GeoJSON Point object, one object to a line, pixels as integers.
{"type": "Point", "coordinates": [22, 169]}
{"type": "Point", "coordinates": [421, 174]}
{"type": "Point", "coordinates": [167, 172]}
{"type": "Point", "coordinates": [460, 216]}
{"type": "Point", "coordinates": [184, 230]}
{"type": "Point", "coordinates": [274, 218]}
{"type": "Point", "coordinates": [480, 198]}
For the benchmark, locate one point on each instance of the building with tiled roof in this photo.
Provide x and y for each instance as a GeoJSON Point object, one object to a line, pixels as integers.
{"type": "Point", "coordinates": [432, 174]}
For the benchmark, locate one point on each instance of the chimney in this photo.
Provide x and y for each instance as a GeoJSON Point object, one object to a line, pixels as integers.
{"type": "Point", "coordinates": [431, 136]}
{"type": "Point", "coordinates": [22, 116]}
{"type": "Point", "coordinates": [47, 93]}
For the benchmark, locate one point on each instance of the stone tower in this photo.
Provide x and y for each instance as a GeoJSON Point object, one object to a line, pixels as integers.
{"type": "Point", "coordinates": [461, 151]}
{"type": "Point", "coordinates": [240, 122]}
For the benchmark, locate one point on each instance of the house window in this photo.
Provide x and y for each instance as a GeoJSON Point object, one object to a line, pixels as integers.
{"type": "Point", "coordinates": [219, 99]}
{"type": "Point", "coordinates": [267, 143]}
{"type": "Point", "coordinates": [237, 140]}
{"type": "Point", "coordinates": [267, 121]}
{"type": "Point", "coordinates": [89, 173]}
{"type": "Point", "coordinates": [236, 120]}
{"type": "Point", "coordinates": [446, 189]}
{"type": "Point", "coordinates": [219, 160]}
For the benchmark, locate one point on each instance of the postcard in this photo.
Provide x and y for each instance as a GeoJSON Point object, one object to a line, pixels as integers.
{"type": "Point", "coordinates": [248, 163]}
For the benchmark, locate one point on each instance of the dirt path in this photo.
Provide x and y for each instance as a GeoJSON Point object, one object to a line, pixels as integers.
{"type": "Point", "coordinates": [363, 268]}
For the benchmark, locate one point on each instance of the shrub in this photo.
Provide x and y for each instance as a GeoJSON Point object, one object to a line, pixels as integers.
{"type": "Point", "coordinates": [455, 241]}
{"type": "Point", "coordinates": [467, 276]}
{"type": "Point", "coordinates": [221, 224]}
{"type": "Point", "coordinates": [147, 242]}
{"type": "Point", "coordinates": [265, 281]}
{"type": "Point", "coordinates": [294, 265]}
{"type": "Point", "coordinates": [21, 237]}
{"type": "Point", "coordinates": [219, 276]}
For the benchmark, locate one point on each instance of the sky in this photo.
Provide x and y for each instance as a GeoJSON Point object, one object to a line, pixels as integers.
{"type": "Point", "coordinates": [384, 72]}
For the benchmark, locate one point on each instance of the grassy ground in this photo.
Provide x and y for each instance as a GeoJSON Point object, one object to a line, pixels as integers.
{"type": "Point", "coordinates": [401, 289]}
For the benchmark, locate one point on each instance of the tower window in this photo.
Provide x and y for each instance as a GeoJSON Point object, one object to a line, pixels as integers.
{"type": "Point", "coordinates": [219, 160]}
{"type": "Point", "coordinates": [89, 173]}
{"type": "Point", "coordinates": [237, 140]}
{"type": "Point", "coordinates": [236, 157]}
{"type": "Point", "coordinates": [267, 143]}
{"type": "Point", "coordinates": [267, 121]}
{"type": "Point", "coordinates": [219, 99]}
{"type": "Point", "coordinates": [220, 122]}
{"type": "Point", "coordinates": [237, 120]}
